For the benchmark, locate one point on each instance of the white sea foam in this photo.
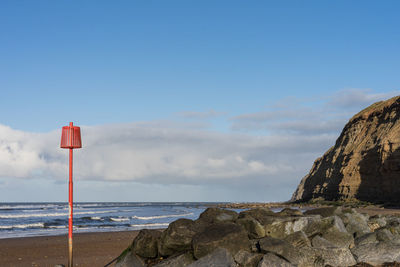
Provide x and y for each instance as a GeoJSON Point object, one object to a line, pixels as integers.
{"type": "Point", "coordinates": [162, 216]}
{"type": "Point", "coordinates": [123, 219]}
{"type": "Point", "coordinates": [11, 216]}
{"type": "Point", "coordinates": [22, 226]}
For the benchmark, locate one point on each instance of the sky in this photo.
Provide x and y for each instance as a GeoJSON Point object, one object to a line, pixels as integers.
{"type": "Point", "coordinates": [184, 100]}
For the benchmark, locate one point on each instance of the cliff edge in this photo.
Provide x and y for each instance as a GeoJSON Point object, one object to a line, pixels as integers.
{"type": "Point", "coordinates": [364, 163]}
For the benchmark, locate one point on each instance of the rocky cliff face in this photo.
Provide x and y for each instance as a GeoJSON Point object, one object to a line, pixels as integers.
{"type": "Point", "coordinates": [364, 164]}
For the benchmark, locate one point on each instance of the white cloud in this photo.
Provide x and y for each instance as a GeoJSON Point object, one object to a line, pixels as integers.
{"type": "Point", "coordinates": [184, 154]}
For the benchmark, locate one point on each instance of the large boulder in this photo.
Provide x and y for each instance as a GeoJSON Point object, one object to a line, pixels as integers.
{"type": "Point", "coordinates": [177, 237]}
{"type": "Point", "coordinates": [263, 215]}
{"type": "Point", "coordinates": [146, 242]}
{"type": "Point", "coordinates": [222, 235]}
{"type": "Point", "coordinates": [247, 259]}
{"type": "Point", "coordinates": [252, 226]}
{"type": "Point", "coordinates": [333, 256]}
{"type": "Point", "coordinates": [364, 163]}
{"type": "Point", "coordinates": [280, 227]}
{"type": "Point", "coordinates": [282, 248]}
{"type": "Point", "coordinates": [377, 253]}
{"type": "Point", "coordinates": [130, 259]}
{"type": "Point", "coordinates": [272, 260]}
{"type": "Point", "coordinates": [220, 257]}
{"type": "Point", "coordinates": [217, 215]}
{"type": "Point", "coordinates": [298, 239]}
{"type": "Point", "coordinates": [180, 260]}
{"type": "Point", "coordinates": [331, 229]}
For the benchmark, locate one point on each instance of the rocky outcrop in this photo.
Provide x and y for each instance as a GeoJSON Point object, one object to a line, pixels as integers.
{"type": "Point", "coordinates": [364, 163]}
{"type": "Point", "coordinates": [322, 237]}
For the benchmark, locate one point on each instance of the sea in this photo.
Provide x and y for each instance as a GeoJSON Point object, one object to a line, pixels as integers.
{"type": "Point", "coordinates": [42, 219]}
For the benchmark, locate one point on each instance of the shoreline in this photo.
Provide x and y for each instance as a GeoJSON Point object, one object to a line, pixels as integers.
{"type": "Point", "coordinates": [90, 249]}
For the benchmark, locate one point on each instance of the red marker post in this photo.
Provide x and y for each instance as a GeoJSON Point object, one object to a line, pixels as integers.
{"type": "Point", "coordinates": [70, 138]}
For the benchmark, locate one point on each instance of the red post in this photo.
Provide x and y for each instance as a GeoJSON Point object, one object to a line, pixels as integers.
{"type": "Point", "coordinates": [70, 202]}
{"type": "Point", "coordinates": [70, 138]}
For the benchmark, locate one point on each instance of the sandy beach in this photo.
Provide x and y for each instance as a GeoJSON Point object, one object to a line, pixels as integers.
{"type": "Point", "coordinates": [90, 249]}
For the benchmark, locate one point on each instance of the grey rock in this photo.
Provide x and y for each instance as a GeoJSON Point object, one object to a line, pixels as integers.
{"type": "Point", "coordinates": [290, 212]}
{"type": "Point", "coordinates": [333, 256]}
{"type": "Point", "coordinates": [59, 265]}
{"type": "Point", "coordinates": [333, 230]}
{"type": "Point", "coordinates": [280, 227]}
{"type": "Point", "coordinates": [282, 248]}
{"type": "Point", "coordinates": [383, 234]}
{"type": "Point", "coordinates": [272, 260]}
{"type": "Point", "coordinates": [366, 239]}
{"type": "Point", "coordinates": [247, 259]}
{"type": "Point", "coordinates": [356, 223]}
{"type": "Point", "coordinates": [146, 242]}
{"type": "Point", "coordinates": [320, 242]}
{"type": "Point", "coordinates": [220, 257]}
{"type": "Point", "coordinates": [130, 260]}
{"type": "Point", "coordinates": [298, 239]}
{"type": "Point", "coordinates": [178, 261]}
{"type": "Point", "coordinates": [177, 237]}
{"type": "Point", "coordinates": [252, 226]}
{"type": "Point", "coordinates": [263, 215]}
{"type": "Point", "coordinates": [377, 253]}
{"type": "Point", "coordinates": [325, 211]}
{"type": "Point", "coordinates": [216, 215]}
{"type": "Point", "coordinates": [376, 222]}
{"type": "Point", "coordinates": [231, 236]}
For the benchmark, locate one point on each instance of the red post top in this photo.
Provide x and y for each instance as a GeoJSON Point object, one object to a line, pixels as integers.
{"type": "Point", "coordinates": [71, 136]}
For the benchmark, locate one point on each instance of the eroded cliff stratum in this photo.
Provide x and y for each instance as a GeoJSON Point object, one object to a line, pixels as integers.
{"type": "Point", "coordinates": [364, 163]}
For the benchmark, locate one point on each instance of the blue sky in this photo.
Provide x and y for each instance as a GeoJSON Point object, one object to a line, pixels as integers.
{"type": "Point", "coordinates": [194, 100]}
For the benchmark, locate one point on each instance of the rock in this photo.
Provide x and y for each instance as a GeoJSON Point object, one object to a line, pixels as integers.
{"type": "Point", "coordinates": [271, 260]}
{"type": "Point", "coordinates": [220, 257]}
{"type": "Point", "coordinates": [130, 259]}
{"type": "Point", "coordinates": [320, 242]}
{"type": "Point", "coordinates": [298, 239]}
{"type": "Point", "coordinates": [377, 253]}
{"type": "Point", "coordinates": [290, 212]}
{"type": "Point", "coordinates": [356, 223]}
{"type": "Point", "coordinates": [376, 222]}
{"type": "Point", "coordinates": [146, 243]}
{"type": "Point", "coordinates": [177, 237]}
{"type": "Point", "coordinates": [393, 225]}
{"type": "Point", "coordinates": [247, 259]}
{"type": "Point", "coordinates": [215, 215]}
{"type": "Point", "coordinates": [366, 239]}
{"type": "Point", "coordinates": [252, 226]}
{"type": "Point", "coordinates": [263, 215]}
{"type": "Point", "coordinates": [325, 211]}
{"type": "Point", "coordinates": [334, 256]}
{"type": "Point", "coordinates": [178, 261]}
{"type": "Point", "coordinates": [281, 248]}
{"type": "Point", "coordinates": [364, 163]}
{"type": "Point", "coordinates": [222, 235]}
{"type": "Point", "coordinates": [383, 234]}
{"type": "Point", "coordinates": [280, 227]}
{"type": "Point", "coordinates": [333, 230]}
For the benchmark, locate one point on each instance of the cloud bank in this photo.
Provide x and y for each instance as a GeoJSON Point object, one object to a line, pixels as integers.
{"type": "Point", "coordinates": [269, 150]}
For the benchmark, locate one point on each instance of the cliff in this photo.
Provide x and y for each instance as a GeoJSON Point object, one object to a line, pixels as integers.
{"type": "Point", "coordinates": [364, 163]}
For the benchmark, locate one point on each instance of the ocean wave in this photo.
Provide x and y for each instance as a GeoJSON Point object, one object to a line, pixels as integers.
{"type": "Point", "coordinates": [161, 216]}
{"type": "Point", "coordinates": [119, 219]}
{"type": "Point", "coordinates": [56, 214]}
{"type": "Point", "coordinates": [22, 226]}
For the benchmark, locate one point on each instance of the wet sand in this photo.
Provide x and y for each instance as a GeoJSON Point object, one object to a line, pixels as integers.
{"type": "Point", "coordinates": [90, 249]}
